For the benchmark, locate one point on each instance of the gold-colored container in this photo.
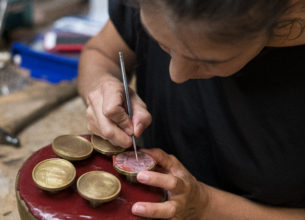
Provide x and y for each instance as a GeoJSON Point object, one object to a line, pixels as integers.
{"type": "Point", "coordinates": [72, 147]}
{"type": "Point", "coordinates": [125, 163]}
{"type": "Point", "coordinates": [98, 187]}
{"type": "Point", "coordinates": [54, 174]}
{"type": "Point", "coordinates": [105, 147]}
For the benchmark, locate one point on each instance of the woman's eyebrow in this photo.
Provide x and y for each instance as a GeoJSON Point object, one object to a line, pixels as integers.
{"type": "Point", "coordinates": [191, 58]}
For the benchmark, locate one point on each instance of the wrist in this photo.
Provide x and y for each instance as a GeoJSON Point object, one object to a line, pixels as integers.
{"type": "Point", "coordinates": [205, 200]}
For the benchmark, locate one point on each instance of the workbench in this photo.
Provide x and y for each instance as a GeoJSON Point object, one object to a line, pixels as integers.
{"type": "Point", "coordinates": [68, 118]}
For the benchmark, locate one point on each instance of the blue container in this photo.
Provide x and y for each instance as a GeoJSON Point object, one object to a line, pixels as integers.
{"type": "Point", "coordinates": [45, 66]}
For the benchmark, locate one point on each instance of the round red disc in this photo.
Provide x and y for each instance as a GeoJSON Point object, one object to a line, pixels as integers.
{"type": "Point", "coordinates": [127, 161]}
{"type": "Point", "coordinates": [68, 204]}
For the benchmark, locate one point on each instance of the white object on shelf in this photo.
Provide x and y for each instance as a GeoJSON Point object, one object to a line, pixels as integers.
{"type": "Point", "coordinates": [77, 25]}
{"type": "Point", "coordinates": [98, 10]}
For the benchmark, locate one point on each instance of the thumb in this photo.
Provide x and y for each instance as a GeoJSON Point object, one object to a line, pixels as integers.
{"type": "Point", "coordinates": [141, 120]}
{"type": "Point", "coordinates": [141, 117]}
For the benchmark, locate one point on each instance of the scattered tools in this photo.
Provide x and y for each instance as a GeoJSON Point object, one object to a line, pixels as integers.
{"type": "Point", "coordinates": [20, 109]}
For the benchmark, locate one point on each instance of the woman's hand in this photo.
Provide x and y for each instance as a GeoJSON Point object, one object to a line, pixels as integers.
{"type": "Point", "coordinates": [187, 198]}
{"type": "Point", "coordinates": [107, 116]}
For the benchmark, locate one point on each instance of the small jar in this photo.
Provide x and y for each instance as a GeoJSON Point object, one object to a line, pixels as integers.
{"type": "Point", "coordinates": [98, 187]}
{"type": "Point", "coordinates": [72, 147]}
{"type": "Point", "coordinates": [54, 174]}
{"type": "Point", "coordinates": [105, 147]}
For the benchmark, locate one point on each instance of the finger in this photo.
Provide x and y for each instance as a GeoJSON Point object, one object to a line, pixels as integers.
{"type": "Point", "coordinates": [113, 133]}
{"type": "Point", "coordinates": [94, 98]}
{"type": "Point", "coordinates": [89, 113]}
{"type": "Point", "coordinates": [141, 117]}
{"type": "Point", "coordinates": [141, 120]}
{"type": "Point", "coordinates": [164, 210]}
{"type": "Point", "coordinates": [102, 126]}
{"type": "Point", "coordinates": [113, 107]}
{"type": "Point", "coordinates": [168, 182]}
{"type": "Point", "coordinates": [91, 121]}
{"type": "Point", "coordinates": [167, 161]}
{"type": "Point", "coordinates": [115, 138]}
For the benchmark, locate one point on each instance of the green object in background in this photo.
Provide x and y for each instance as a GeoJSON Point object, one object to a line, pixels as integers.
{"type": "Point", "coordinates": [19, 13]}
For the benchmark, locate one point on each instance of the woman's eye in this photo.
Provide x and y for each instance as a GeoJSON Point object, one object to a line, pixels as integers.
{"type": "Point", "coordinates": [212, 64]}
{"type": "Point", "coordinates": [209, 65]}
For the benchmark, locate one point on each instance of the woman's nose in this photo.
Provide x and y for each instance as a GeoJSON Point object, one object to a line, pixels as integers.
{"type": "Point", "coordinates": [181, 69]}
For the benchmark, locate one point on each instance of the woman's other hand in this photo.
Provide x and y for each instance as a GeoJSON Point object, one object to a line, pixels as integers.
{"type": "Point", "coordinates": [187, 198]}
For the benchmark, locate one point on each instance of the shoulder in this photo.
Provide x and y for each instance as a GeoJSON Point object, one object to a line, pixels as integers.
{"type": "Point", "coordinates": [126, 19]}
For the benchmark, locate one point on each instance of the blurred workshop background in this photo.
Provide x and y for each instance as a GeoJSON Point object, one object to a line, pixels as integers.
{"type": "Point", "coordinates": [40, 44]}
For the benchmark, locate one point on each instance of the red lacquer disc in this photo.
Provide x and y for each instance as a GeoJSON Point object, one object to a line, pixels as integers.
{"type": "Point", "coordinates": [68, 204]}
{"type": "Point", "coordinates": [127, 162]}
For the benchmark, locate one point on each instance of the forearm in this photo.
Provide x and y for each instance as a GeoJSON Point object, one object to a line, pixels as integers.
{"type": "Point", "coordinates": [100, 59]}
{"type": "Point", "coordinates": [224, 205]}
{"type": "Point", "coordinates": [93, 68]}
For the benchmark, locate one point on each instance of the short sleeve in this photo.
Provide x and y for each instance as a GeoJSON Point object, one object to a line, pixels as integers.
{"type": "Point", "coordinates": [126, 20]}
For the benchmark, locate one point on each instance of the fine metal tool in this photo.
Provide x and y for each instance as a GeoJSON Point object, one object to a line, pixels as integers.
{"type": "Point", "coordinates": [7, 138]}
{"type": "Point", "coordinates": [127, 99]}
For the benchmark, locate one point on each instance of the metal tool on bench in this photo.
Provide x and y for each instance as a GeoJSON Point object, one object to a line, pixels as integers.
{"type": "Point", "coordinates": [6, 138]}
{"type": "Point", "coordinates": [20, 109]}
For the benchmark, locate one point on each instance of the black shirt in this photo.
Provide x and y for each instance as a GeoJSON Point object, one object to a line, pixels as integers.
{"type": "Point", "coordinates": [244, 134]}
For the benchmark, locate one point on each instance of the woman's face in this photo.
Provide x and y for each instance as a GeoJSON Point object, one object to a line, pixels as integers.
{"type": "Point", "coordinates": [193, 55]}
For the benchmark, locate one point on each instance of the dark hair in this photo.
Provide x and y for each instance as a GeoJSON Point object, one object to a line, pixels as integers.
{"type": "Point", "coordinates": [229, 20]}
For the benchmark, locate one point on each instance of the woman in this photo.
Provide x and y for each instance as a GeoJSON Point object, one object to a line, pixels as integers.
{"type": "Point", "coordinates": [230, 108]}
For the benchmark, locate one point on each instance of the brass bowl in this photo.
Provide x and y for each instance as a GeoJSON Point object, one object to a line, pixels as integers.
{"type": "Point", "coordinates": [72, 147]}
{"type": "Point", "coordinates": [125, 163]}
{"type": "Point", "coordinates": [98, 187]}
{"type": "Point", "coordinates": [105, 147]}
{"type": "Point", "coordinates": [54, 174]}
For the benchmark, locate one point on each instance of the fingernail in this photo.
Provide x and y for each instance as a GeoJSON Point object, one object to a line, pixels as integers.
{"type": "Point", "coordinates": [128, 131]}
{"type": "Point", "coordinates": [138, 209]}
{"type": "Point", "coordinates": [142, 177]}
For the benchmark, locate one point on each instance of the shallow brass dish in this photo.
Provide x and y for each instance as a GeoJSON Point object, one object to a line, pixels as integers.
{"type": "Point", "coordinates": [105, 147]}
{"type": "Point", "coordinates": [72, 147]}
{"type": "Point", "coordinates": [98, 187]}
{"type": "Point", "coordinates": [54, 174]}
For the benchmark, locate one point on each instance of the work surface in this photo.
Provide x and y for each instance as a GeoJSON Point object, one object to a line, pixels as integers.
{"type": "Point", "coordinates": [68, 118]}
